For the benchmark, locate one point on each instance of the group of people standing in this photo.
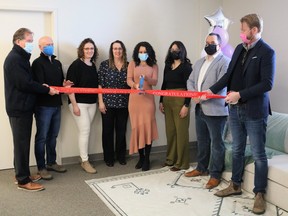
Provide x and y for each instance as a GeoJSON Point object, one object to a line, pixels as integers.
{"type": "Point", "coordinates": [247, 79]}
{"type": "Point", "coordinates": [117, 73]}
{"type": "Point", "coordinates": [28, 92]}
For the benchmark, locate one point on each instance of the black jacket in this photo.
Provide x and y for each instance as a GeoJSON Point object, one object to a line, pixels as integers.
{"type": "Point", "coordinates": [258, 75]}
{"type": "Point", "coordinates": [49, 72]}
{"type": "Point", "coordinates": [20, 88]}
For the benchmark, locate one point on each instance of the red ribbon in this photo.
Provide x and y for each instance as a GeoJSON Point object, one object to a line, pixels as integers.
{"type": "Point", "coordinates": [166, 93]}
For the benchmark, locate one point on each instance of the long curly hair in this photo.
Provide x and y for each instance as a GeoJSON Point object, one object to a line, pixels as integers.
{"type": "Point", "coordinates": [150, 51]}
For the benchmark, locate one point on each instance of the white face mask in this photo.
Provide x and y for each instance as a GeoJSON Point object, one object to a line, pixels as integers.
{"type": "Point", "coordinates": [143, 56]}
{"type": "Point", "coordinates": [28, 47]}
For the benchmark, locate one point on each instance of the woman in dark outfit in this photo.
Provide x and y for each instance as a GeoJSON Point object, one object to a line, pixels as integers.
{"type": "Point", "coordinates": [114, 107]}
{"type": "Point", "coordinates": [176, 110]}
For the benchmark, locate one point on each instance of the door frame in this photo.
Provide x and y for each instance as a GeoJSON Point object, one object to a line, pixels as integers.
{"type": "Point", "coordinates": [53, 30]}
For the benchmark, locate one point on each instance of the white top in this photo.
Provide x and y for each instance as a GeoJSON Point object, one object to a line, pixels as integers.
{"type": "Point", "coordinates": [204, 69]}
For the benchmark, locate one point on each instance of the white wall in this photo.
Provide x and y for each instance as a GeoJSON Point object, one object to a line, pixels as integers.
{"type": "Point", "coordinates": [274, 14]}
{"type": "Point", "coordinates": [159, 22]}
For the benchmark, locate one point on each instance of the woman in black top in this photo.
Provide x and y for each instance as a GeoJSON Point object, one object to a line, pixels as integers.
{"type": "Point", "coordinates": [83, 73]}
{"type": "Point", "coordinates": [114, 107]}
{"type": "Point", "coordinates": [176, 110]}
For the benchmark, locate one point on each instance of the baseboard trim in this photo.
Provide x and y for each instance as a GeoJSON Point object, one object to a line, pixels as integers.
{"type": "Point", "coordinates": [155, 149]}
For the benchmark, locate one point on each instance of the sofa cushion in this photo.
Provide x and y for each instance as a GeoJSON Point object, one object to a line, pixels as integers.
{"type": "Point", "coordinates": [276, 139]}
{"type": "Point", "coordinates": [277, 169]}
{"type": "Point", "coordinates": [277, 132]}
{"type": "Point", "coordinates": [248, 155]}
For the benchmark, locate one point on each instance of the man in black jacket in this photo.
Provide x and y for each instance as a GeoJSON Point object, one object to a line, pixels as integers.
{"type": "Point", "coordinates": [20, 95]}
{"type": "Point", "coordinates": [47, 69]}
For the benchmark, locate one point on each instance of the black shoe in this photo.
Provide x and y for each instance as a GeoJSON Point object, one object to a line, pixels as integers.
{"type": "Point", "coordinates": [122, 162]}
{"type": "Point", "coordinates": [174, 169]}
{"type": "Point", "coordinates": [110, 164]}
{"type": "Point", "coordinates": [140, 163]}
{"type": "Point", "coordinates": [166, 164]}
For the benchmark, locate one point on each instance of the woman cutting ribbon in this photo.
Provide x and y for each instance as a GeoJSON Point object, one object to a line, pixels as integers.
{"type": "Point", "coordinates": [142, 106]}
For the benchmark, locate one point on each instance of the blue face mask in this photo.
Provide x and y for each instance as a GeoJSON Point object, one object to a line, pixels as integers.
{"type": "Point", "coordinates": [28, 47]}
{"type": "Point", "coordinates": [143, 56]}
{"type": "Point", "coordinates": [48, 50]}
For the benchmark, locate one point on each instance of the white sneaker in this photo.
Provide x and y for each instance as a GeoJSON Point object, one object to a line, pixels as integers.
{"type": "Point", "coordinates": [88, 167]}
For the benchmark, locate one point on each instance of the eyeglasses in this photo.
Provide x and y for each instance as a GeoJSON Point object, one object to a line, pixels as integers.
{"type": "Point", "coordinates": [89, 48]}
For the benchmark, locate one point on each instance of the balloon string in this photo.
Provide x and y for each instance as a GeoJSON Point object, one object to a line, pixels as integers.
{"type": "Point", "coordinates": [166, 93]}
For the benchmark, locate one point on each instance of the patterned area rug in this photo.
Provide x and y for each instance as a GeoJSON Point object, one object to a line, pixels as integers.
{"type": "Point", "coordinates": [162, 192]}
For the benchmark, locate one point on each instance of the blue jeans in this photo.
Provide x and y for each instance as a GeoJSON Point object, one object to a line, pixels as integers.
{"type": "Point", "coordinates": [48, 126]}
{"type": "Point", "coordinates": [211, 149]}
{"type": "Point", "coordinates": [242, 126]}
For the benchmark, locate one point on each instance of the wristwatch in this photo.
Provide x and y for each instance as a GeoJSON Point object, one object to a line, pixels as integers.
{"type": "Point", "coordinates": [186, 105]}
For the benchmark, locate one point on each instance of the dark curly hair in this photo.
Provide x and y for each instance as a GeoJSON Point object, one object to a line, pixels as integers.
{"type": "Point", "coordinates": [183, 53]}
{"type": "Point", "coordinates": [150, 51]}
{"type": "Point", "coordinates": [80, 50]}
{"type": "Point", "coordinates": [124, 55]}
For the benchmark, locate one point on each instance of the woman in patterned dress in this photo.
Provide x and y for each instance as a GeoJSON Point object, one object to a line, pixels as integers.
{"type": "Point", "coordinates": [142, 106]}
{"type": "Point", "coordinates": [114, 107]}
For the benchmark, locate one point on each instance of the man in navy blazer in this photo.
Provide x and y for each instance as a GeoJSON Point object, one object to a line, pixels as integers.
{"type": "Point", "coordinates": [249, 78]}
{"type": "Point", "coordinates": [210, 115]}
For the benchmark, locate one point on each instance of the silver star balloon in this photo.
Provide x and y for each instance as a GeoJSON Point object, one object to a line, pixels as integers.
{"type": "Point", "coordinates": [218, 19]}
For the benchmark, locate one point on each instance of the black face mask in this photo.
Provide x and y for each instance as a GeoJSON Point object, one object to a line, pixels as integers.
{"type": "Point", "coordinates": [175, 55]}
{"type": "Point", "coordinates": [211, 49]}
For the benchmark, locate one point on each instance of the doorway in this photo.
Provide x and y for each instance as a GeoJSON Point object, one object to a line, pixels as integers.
{"type": "Point", "coordinates": [40, 22]}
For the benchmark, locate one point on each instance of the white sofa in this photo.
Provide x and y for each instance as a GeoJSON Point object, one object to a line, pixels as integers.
{"type": "Point", "coordinates": [277, 152]}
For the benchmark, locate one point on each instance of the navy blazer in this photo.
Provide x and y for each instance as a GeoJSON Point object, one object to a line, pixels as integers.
{"type": "Point", "coordinates": [259, 71]}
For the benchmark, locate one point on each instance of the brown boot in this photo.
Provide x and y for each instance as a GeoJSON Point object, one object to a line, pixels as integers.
{"type": "Point", "coordinates": [195, 173]}
{"type": "Point", "coordinates": [232, 189]}
{"type": "Point", "coordinates": [259, 204]}
{"type": "Point", "coordinates": [212, 183]}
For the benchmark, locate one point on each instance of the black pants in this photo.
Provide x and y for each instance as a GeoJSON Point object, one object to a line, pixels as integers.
{"type": "Point", "coordinates": [114, 119]}
{"type": "Point", "coordinates": [21, 131]}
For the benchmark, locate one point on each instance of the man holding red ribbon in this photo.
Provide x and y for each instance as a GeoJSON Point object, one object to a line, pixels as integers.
{"type": "Point", "coordinates": [249, 77]}
{"type": "Point", "coordinates": [210, 115]}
